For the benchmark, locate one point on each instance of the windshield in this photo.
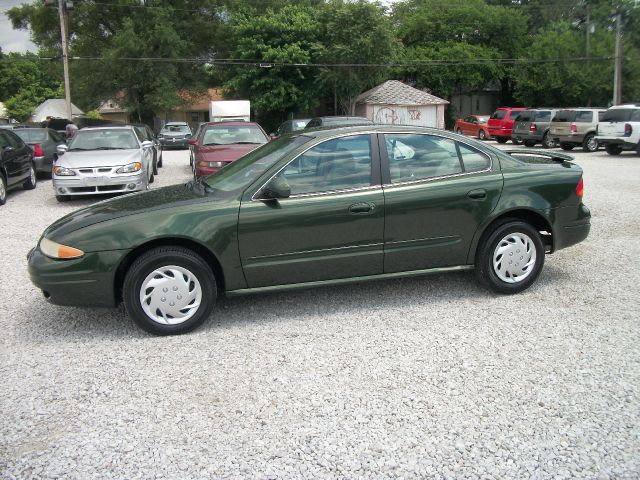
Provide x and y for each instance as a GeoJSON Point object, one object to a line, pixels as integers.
{"type": "Point", "coordinates": [104, 139]}
{"type": "Point", "coordinates": [175, 128]}
{"type": "Point", "coordinates": [616, 115]}
{"type": "Point", "coordinates": [246, 169]}
{"type": "Point", "coordinates": [233, 134]}
{"type": "Point", "coordinates": [29, 135]}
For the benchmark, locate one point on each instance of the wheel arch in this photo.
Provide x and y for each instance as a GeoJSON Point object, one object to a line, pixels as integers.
{"type": "Point", "coordinates": [532, 217]}
{"type": "Point", "coordinates": [208, 256]}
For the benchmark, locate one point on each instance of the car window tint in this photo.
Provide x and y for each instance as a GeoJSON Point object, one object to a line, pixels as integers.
{"type": "Point", "coordinates": [56, 136]}
{"type": "Point", "coordinates": [4, 141]}
{"type": "Point", "coordinates": [32, 135]}
{"type": "Point", "coordinates": [584, 117]}
{"type": "Point", "coordinates": [499, 114]}
{"type": "Point", "coordinates": [564, 116]}
{"type": "Point", "coordinates": [14, 140]}
{"type": "Point", "coordinates": [525, 116]}
{"type": "Point", "coordinates": [417, 157]}
{"type": "Point", "coordinates": [513, 114]}
{"type": "Point", "coordinates": [635, 116]}
{"type": "Point", "coordinates": [543, 116]}
{"type": "Point", "coordinates": [338, 164]}
{"type": "Point", "coordinates": [473, 159]}
{"type": "Point", "coordinates": [617, 115]}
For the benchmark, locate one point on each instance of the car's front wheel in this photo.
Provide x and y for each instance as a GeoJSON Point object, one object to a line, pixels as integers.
{"type": "Point", "coordinates": [169, 291]}
{"type": "Point", "coordinates": [547, 141]}
{"type": "Point", "coordinates": [510, 258]}
{"type": "Point", "coordinates": [590, 143]}
{"type": "Point", "coordinates": [613, 149]}
{"type": "Point", "coordinates": [482, 135]}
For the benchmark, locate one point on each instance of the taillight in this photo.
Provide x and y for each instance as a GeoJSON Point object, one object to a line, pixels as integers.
{"type": "Point", "coordinates": [573, 128]}
{"type": "Point", "coordinates": [37, 150]}
{"type": "Point", "coordinates": [580, 188]}
{"type": "Point", "coordinates": [627, 129]}
{"type": "Point", "coordinates": [533, 127]}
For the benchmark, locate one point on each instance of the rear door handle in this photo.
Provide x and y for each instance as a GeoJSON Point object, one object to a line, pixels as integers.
{"type": "Point", "coordinates": [362, 207]}
{"type": "Point", "coordinates": [479, 194]}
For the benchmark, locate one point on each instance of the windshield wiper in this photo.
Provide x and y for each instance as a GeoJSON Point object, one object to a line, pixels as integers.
{"type": "Point", "coordinates": [77, 148]}
{"type": "Point", "coordinates": [246, 143]}
{"type": "Point", "coordinates": [212, 143]}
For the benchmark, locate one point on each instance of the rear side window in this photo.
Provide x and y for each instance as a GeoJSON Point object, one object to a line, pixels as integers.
{"type": "Point", "coordinates": [584, 117]}
{"type": "Point", "coordinates": [618, 115]}
{"type": "Point", "coordinates": [564, 116]}
{"type": "Point", "coordinates": [635, 116]}
{"type": "Point", "coordinates": [543, 116]}
{"type": "Point", "coordinates": [499, 114]}
{"type": "Point", "coordinates": [473, 160]}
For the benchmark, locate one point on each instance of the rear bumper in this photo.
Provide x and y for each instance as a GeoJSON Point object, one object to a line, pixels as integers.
{"type": "Point", "coordinates": [84, 282]}
{"type": "Point", "coordinates": [575, 139]}
{"type": "Point", "coordinates": [573, 226]}
{"type": "Point", "coordinates": [42, 164]}
{"type": "Point", "coordinates": [625, 143]}
{"type": "Point", "coordinates": [527, 135]}
{"type": "Point", "coordinates": [204, 171]}
{"type": "Point", "coordinates": [500, 131]}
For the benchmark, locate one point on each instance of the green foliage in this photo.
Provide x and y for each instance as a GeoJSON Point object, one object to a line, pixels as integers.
{"type": "Point", "coordinates": [94, 114]}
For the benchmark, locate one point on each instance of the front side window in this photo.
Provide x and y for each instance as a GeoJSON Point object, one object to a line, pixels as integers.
{"type": "Point", "coordinates": [416, 157]}
{"type": "Point", "coordinates": [337, 164]}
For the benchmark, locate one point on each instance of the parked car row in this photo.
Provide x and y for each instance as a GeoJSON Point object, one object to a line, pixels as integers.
{"type": "Point", "coordinates": [617, 128]}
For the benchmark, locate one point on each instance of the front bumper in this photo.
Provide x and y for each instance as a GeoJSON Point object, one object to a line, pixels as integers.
{"type": "Point", "coordinates": [88, 281]}
{"type": "Point", "coordinates": [99, 184]}
{"type": "Point", "coordinates": [170, 142]}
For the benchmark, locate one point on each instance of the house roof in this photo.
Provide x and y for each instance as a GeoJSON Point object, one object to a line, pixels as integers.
{"type": "Point", "coordinates": [197, 100]}
{"type": "Point", "coordinates": [394, 92]}
{"type": "Point", "coordinates": [54, 107]}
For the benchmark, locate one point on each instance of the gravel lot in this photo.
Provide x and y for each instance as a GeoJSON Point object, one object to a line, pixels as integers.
{"type": "Point", "coordinates": [424, 377]}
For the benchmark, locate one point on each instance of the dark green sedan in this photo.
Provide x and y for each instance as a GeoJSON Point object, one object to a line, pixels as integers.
{"type": "Point", "coordinates": [323, 207]}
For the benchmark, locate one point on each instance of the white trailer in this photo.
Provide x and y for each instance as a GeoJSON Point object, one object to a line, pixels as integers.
{"type": "Point", "coordinates": [230, 111]}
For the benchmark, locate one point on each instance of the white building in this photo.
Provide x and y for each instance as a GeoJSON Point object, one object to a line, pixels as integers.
{"type": "Point", "coordinates": [396, 103]}
{"type": "Point", "coordinates": [55, 108]}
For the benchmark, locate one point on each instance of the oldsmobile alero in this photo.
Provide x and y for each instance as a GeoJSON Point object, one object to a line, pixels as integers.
{"type": "Point", "coordinates": [322, 207]}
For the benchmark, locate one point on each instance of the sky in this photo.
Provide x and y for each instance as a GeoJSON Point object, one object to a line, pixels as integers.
{"type": "Point", "coordinates": [13, 40]}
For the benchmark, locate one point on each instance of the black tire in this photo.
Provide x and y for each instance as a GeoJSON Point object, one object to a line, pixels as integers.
{"type": "Point", "coordinates": [152, 178]}
{"type": "Point", "coordinates": [485, 272]}
{"type": "Point", "coordinates": [501, 139]}
{"type": "Point", "coordinates": [155, 165]}
{"type": "Point", "coordinates": [482, 135]}
{"type": "Point", "coordinates": [31, 182]}
{"type": "Point", "coordinates": [459, 131]}
{"type": "Point", "coordinates": [515, 141]}
{"type": "Point", "coordinates": [547, 141]}
{"type": "Point", "coordinates": [62, 198]}
{"type": "Point", "coordinates": [529, 143]}
{"type": "Point", "coordinates": [613, 149]}
{"type": "Point", "coordinates": [157, 258]}
{"type": "Point", "coordinates": [160, 161]}
{"type": "Point", "coordinates": [3, 190]}
{"type": "Point", "coordinates": [567, 146]}
{"type": "Point", "coordinates": [589, 144]}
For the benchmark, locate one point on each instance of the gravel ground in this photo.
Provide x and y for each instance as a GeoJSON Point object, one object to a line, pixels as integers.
{"type": "Point", "coordinates": [423, 377]}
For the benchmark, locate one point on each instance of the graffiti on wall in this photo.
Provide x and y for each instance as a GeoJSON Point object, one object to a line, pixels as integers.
{"type": "Point", "coordinates": [398, 115]}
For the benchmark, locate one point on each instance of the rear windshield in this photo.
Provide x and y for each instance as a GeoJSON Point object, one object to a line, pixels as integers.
{"type": "Point", "coordinates": [233, 134]}
{"type": "Point", "coordinates": [525, 117]}
{"type": "Point", "coordinates": [564, 116]}
{"type": "Point", "coordinates": [618, 114]}
{"type": "Point", "coordinates": [584, 117]}
{"type": "Point", "coordinates": [499, 114]}
{"type": "Point", "coordinates": [543, 116]}
{"type": "Point", "coordinates": [29, 135]}
{"type": "Point", "coordinates": [514, 114]}
{"type": "Point", "coordinates": [104, 139]}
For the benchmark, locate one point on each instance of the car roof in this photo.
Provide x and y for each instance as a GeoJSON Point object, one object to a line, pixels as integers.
{"type": "Point", "coordinates": [230, 124]}
{"type": "Point", "coordinates": [108, 127]}
{"type": "Point", "coordinates": [330, 131]}
{"type": "Point", "coordinates": [176, 123]}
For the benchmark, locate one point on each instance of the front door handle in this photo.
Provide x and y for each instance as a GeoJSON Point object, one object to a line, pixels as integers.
{"type": "Point", "coordinates": [479, 194]}
{"type": "Point", "coordinates": [362, 208]}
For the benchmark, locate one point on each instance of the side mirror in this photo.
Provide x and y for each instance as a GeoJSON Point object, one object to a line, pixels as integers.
{"type": "Point", "coordinates": [188, 135]}
{"type": "Point", "coordinates": [61, 149]}
{"type": "Point", "coordinates": [147, 144]}
{"type": "Point", "coordinates": [278, 187]}
{"type": "Point", "coordinates": [273, 136]}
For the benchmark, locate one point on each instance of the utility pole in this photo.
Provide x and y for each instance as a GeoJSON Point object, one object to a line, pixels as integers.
{"type": "Point", "coordinates": [62, 14]}
{"type": "Point", "coordinates": [617, 72]}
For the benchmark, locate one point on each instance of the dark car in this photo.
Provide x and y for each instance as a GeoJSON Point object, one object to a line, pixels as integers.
{"type": "Point", "coordinates": [145, 134]}
{"type": "Point", "coordinates": [337, 121]}
{"type": "Point", "coordinates": [323, 207]}
{"type": "Point", "coordinates": [290, 126]}
{"type": "Point", "coordinates": [16, 164]}
{"type": "Point", "coordinates": [532, 126]}
{"type": "Point", "coordinates": [175, 135]}
{"type": "Point", "coordinates": [220, 143]}
{"type": "Point", "coordinates": [44, 143]}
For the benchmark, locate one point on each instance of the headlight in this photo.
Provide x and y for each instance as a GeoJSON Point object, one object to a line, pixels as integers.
{"type": "Point", "coordinates": [132, 167]}
{"type": "Point", "coordinates": [63, 171]}
{"type": "Point", "coordinates": [55, 250]}
{"type": "Point", "coordinates": [212, 164]}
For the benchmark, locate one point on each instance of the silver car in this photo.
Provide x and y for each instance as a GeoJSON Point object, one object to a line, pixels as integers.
{"type": "Point", "coordinates": [102, 160]}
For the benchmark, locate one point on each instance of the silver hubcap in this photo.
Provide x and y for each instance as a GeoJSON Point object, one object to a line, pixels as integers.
{"type": "Point", "coordinates": [3, 190]}
{"type": "Point", "coordinates": [514, 258]}
{"type": "Point", "coordinates": [32, 176]}
{"type": "Point", "coordinates": [170, 295]}
{"type": "Point", "coordinates": [592, 143]}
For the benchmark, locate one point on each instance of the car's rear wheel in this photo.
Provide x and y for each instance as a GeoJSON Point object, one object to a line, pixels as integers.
{"type": "Point", "coordinates": [529, 143]}
{"type": "Point", "coordinates": [169, 291]}
{"type": "Point", "coordinates": [3, 190]}
{"type": "Point", "coordinates": [515, 141]}
{"type": "Point", "coordinates": [482, 135]}
{"type": "Point", "coordinates": [567, 146]}
{"type": "Point", "coordinates": [501, 139]}
{"type": "Point", "coordinates": [547, 141]}
{"type": "Point", "coordinates": [613, 149]}
{"type": "Point", "coordinates": [62, 198]}
{"type": "Point", "coordinates": [32, 180]}
{"type": "Point", "coordinates": [510, 257]}
{"type": "Point", "coordinates": [590, 144]}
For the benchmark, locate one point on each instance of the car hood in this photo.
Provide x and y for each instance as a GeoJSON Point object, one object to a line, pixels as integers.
{"type": "Point", "coordinates": [99, 158]}
{"type": "Point", "coordinates": [225, 153]}
{"type": "Point", "coordinates": [123, 206]}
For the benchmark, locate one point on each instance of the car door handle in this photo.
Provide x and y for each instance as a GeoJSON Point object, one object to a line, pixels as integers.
{"type": "Point", "coordinates": [362, 207]}
{"type": "Point", "coordinates": [479, 194]}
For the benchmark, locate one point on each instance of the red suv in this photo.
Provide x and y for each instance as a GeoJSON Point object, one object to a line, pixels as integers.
{"type": "Point", "coordinates": [501, 123]}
